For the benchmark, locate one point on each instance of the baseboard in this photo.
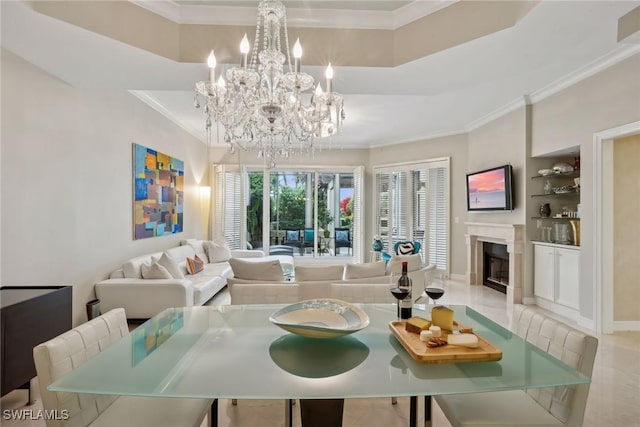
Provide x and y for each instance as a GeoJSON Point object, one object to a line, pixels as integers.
{"type": "Point", "coordinates": [626, 325]}
{"type": "Point", "coordinates": [586, 323]}
{"type": "Point", "coordinates": [459, 277]}
{"type": "Point", "coordinates": [529, 301]}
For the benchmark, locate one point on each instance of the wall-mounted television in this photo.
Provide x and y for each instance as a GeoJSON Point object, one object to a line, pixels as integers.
{"type": "Point", "coordinates": [490, 189]}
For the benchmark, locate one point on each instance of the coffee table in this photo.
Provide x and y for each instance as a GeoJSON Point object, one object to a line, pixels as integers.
{"type": "Point", "coordinates": [235, 352]}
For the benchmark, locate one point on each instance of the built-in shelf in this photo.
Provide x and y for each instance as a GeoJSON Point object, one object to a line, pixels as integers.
{"type": "Point", "coordinates": [560, 245]}
{"type": "Point", "coordinates": [573, 193]}
{"type": "Point", "coordinates": [572, 174]}
{"type": "Point", "coordinates": [555, 217]}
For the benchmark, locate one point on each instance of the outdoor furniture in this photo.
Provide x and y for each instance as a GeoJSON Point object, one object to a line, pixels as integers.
{"type": "Point", "coordinates": [235, 352]}
{"type": "Point", "coordinates": [293, 238]}
{"type": "Point", "coordinates": [342, 239]}
{"type": "Point", "coordinates": [308, 235]}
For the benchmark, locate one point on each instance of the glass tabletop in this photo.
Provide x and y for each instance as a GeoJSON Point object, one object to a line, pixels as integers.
{"type": "Point", "coordinates": [235, 352]}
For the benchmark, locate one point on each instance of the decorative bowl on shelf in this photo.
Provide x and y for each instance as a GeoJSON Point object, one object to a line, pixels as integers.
{"type": "Point", "coordinates": [562, 167]}
{"type": "Point", "coordinates": [545, 172]}
{"type": "Point", "coordinates": [564, 189]}
{"type": "Point", "coordinates": [320, 318]}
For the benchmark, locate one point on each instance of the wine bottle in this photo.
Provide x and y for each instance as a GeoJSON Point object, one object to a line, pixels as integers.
{"type": "Point", "coordinates": [404, 283]}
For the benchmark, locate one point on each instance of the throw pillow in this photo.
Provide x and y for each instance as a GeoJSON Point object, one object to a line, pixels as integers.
{"type": "Point", "coordinates": [405, 248]}
{"type": "Point", "coordinates": [293, 235]}
{"type": "Point", "coordinates": [194, 265]}
{"type": "Point", "coordinates": [326, 272]}
{"type": "Point", "coordinates": [216, 252]}
{"type": "Point", "coordinates": [308, 235]}
{"type": "Point", "coordinates": [154, 271]}
{"type": "Point", "coordinates": [359, 271]}
{"type": "Point", "coordinates": [258, 270]}
{"type": "Point", "coordinates": [172, 267]}
{"type": "Point", "coordinates": [342, 236]}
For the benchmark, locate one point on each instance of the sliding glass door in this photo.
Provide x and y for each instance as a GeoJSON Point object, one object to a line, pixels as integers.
{"type": "Point", "coordinates": [311, 212]}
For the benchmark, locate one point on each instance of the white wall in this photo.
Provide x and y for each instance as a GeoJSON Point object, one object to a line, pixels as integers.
{"type": "Point", "coordinates": [606, 100]}
{"type": "Point", "coordinates": [67, 179]}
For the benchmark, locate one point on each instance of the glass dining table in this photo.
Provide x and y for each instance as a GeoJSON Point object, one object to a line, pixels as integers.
{"type": "Point", "coordinates": [235, 352]}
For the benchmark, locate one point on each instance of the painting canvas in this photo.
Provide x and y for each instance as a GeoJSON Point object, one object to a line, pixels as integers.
{"type": "Point", "coordinates": [158, 193]}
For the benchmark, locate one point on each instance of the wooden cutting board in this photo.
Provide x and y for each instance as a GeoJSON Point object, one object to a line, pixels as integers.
{"type": "Point", "coordinates": [485, 352]}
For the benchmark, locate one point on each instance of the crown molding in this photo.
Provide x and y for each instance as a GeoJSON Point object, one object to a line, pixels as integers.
{"type": "Point", "coordinates": [151, 102]}
{"type": "Point", "coordinates": [617, 55]}
{"type": "Point", "coordinates": [296, 17]}
{"type": "Point", "coordinates": [496, 114]}
{"type": "Point", "coordinates": [425, 137]}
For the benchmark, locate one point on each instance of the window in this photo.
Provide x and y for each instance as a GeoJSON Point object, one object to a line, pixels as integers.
{"type": "Point", "coordinates": [412, 203]}
{"type": "Point", "coordinates": [258, 207]}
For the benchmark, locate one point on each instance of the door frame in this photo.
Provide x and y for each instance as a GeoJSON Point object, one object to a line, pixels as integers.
{"type": "Point", "coordinates": [603, 227]}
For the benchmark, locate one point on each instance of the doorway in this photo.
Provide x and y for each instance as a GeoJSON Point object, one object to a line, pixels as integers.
{"type": "Point", "coordinates": [609, 269]}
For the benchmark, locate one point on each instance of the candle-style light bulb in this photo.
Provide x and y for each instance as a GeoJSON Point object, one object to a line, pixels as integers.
{"type": "Point", "coordinates": [329, 75]}
{"type": "Point", "coordinates": [318, 89]}
{"type": "Point", "coordinates": [297, 54]}
{"type": "Point", "coordinates": [244, 50]}
{"type": "Point", "coordinates": [221, 82]}
{"type": "Point", "coordinates": [211, 62]}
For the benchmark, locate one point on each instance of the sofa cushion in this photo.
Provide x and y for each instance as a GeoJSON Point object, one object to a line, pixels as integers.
{"type": "Point", "coordinates": [369, 269]}
{"type": "Point", "coordinates": [216, 252]}
{"type": "Point", "coordinates": [194, 265]}
{"type": "Point", "coordinates": [198, 248]}
{"type": "Point", "coordinates": [131, 268]}
{"type": "Point", "coordinates": [265, 270]}
{"type": "Point", "coordinates": [154, 271]}
{"type": "Point", "coordinates": [394, 266]}
{"type": "Point", "coordinates": [171, 265]}
{"type": "Point", "coordinates": [313, 273]}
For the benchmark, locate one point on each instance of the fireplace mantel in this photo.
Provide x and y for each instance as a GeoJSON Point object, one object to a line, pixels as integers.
{"type": "Point", "coordinates": [511, 235]}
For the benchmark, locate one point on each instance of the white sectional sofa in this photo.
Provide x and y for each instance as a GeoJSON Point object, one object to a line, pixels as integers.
{"type": "Point", "coordinates": [144, 298]}
{"type": "Point", "coordinates": [316, 281]}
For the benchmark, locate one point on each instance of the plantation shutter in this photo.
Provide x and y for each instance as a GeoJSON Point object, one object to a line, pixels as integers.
{"type": "Point", "coordinates": [358, 203]}
{"type": "Point", "coordinates": [438, 217]}
{"type": "Point", "coordinates": [382, 229]}
{"type": "Point", "coordinates": [413, 204]}
{"type": "Point", "coordinates": [228, 207]}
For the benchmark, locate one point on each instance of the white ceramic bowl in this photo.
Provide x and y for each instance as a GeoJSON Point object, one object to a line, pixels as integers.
{"type": "Point", "coordinates": [545, 171]}
{"type": "Point", "coordinates": [320, 318]}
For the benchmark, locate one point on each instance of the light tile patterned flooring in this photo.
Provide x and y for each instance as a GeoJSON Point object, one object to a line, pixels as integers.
{"type": "Point", "coordinates": [614, 398]}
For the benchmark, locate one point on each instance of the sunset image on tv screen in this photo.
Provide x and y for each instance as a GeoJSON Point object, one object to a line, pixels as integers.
{"type": "Point", "coordinates": [486, 190]}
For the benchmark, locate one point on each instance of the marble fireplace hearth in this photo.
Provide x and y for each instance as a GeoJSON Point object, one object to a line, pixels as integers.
{"type": "Point", "coordinates": [511, 235]}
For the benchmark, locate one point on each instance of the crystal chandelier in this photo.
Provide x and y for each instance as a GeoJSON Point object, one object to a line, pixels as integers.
{"type": "Point", "coordinates": [260, 106]}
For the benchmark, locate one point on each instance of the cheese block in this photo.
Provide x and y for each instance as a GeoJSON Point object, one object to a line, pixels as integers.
{"type": "Point", "coordinates": [426, 335]}
{"type": "Point", "coordinates": [442, 316]}
{"type": "Point", "coordinates": [463, 340]}
{"type": "Point", "coordinates": [416, 324]}
{"type": "Point", "coordinates": [436, 331]}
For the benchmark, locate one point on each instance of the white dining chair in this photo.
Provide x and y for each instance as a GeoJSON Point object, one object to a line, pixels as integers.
{"type": "Point", "coordinates": [61, 355]}
{"type": "Point", "coordinates": [553, 406]}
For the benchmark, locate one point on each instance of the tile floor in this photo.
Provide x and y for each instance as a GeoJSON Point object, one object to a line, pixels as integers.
{"type": "Point", "coordinates": [614, 398]}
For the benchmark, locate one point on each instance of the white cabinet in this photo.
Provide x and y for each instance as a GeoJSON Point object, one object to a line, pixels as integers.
{"type": "Point", "coordinates": [556, 277]}
{"type": "Point", "coordinates": [544, 272]}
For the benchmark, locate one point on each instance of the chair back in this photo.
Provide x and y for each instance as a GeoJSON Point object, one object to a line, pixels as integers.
{"type": "Point", "coordinates": [264, 293]}
{"type": "Point", "coordinates": [573, 347]}
{"type": "Point", "coordinates": [68, 351]}
{"type": "Point", "coordinates": [365, 293]}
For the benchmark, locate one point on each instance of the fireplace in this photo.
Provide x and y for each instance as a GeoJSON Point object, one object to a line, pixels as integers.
{"type": "Point", "coordinates": [495, 273]}
{"type": "Point", "coordinates": [507, 265]}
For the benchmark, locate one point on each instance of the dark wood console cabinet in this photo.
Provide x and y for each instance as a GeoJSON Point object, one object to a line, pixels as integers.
{"type": "Point", "coordinates": [30, 315]}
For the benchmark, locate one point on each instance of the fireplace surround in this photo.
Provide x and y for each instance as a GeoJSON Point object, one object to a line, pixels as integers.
{"type": "Point", "coordinates": [511, 235]}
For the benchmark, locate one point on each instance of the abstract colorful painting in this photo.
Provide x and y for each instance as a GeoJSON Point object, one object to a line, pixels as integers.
{"type": "Point", "coordinates": [158, 193]}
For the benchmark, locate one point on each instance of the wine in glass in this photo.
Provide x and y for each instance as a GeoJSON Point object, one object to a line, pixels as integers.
{"type": "Point", "coordinates": [434, 293]}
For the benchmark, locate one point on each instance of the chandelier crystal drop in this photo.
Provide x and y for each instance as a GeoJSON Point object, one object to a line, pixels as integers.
{"type": "Point", "coordinates": [260, 106]}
